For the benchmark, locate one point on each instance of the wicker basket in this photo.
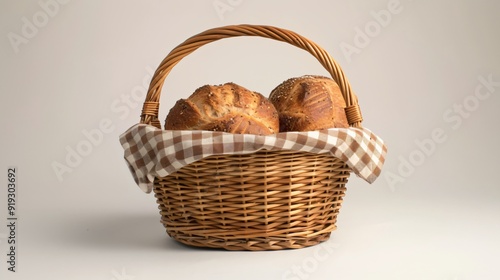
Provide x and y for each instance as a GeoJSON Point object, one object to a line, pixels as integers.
{"type": "Point", "coordinates": [267, 200]}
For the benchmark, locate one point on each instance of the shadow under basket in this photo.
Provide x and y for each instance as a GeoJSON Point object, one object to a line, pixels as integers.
{"type": "Point", "coordinates": [268, 200]}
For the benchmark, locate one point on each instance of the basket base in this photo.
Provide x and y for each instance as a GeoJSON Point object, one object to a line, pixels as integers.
{"type": "Point", "coordinates": [269, 200]}
{"type": "Point", "coordinates": [251, 244]}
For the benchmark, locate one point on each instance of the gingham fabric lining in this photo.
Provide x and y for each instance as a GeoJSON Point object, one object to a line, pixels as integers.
{"type": "Point", "coordinates": [151, 152]}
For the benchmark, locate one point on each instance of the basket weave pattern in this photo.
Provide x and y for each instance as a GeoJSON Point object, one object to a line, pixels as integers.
{"type": "Point", "coordinates": [267, 200]}
{"type": "Point", "coordinates": [261, 201]}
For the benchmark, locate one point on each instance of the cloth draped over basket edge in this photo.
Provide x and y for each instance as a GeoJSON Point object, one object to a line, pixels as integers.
{"type": "Point", "coordinates": [151, 152]}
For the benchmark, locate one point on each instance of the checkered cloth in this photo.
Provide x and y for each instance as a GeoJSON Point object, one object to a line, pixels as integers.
{"type": "Point", "coordinates": [151, 152]}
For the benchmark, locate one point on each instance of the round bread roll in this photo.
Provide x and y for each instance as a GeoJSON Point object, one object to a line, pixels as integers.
{"type": "Point", "coordinates": [229, 108]}
{"type": "Point", "coordinates": [309, 103]}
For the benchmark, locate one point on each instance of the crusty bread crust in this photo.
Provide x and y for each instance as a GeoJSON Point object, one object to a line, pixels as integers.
{"type": "Point", "coordinates": [229, 108]}
{"type": "Point", "coordinates": [309, 103]}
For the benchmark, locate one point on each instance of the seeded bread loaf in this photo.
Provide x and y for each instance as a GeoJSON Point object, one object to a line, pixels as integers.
{"type": "Point", "coordinates": [229, 108]}
{"type": "Point", "coordinates": [309, 103]}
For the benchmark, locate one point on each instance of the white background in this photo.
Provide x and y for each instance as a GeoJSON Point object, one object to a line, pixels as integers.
{"type": "Point", "coordinates": [433, 214]}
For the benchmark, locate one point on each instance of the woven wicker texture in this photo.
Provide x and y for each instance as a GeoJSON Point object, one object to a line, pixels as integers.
{"type": "Point", "coordinates": [150, 109]}
{"type": "Point", "coordinates": [261, 201]}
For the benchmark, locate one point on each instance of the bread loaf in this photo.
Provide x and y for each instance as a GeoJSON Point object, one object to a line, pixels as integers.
{"type": "Point", "coordinates": [309, 103]}
{"type": "Point", "coordinates": [229, 108]}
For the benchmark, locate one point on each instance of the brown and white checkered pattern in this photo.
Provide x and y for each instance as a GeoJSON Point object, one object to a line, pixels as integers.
{"type": "Point", "coordinates": [151, 152]}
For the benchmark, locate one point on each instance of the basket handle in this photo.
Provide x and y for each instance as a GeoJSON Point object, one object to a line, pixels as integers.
{"type": "Point", "coordinates": [151, 104]}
